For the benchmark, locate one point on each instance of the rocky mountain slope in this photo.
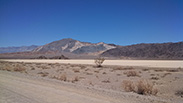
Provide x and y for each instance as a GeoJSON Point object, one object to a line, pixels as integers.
{"type": "Point", "coordinates": [17, 49]}
{"type": "Point", "coordinates": [148, 51]}
{"type": "Point", "coordinates": [74, 46]}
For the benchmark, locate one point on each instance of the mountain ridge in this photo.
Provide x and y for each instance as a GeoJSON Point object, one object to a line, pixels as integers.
{"type": "Point", "coordinates": [153, 50]}
{"type": "Point", "coordinates": [74, 46]}
{"type": "Point", "coordinates": [17, 49]}
{"type": "Point", "coordinates": [77, 49]}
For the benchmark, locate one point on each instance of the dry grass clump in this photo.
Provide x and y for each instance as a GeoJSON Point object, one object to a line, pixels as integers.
{"type": "Point", "coordinates": [96, 71]}
{"type": "Point", "coordinates": [63, 77]}
{"type": "Point", "coordinates": [82, 66]}
{"type": "Point", "coordinates": [43, 74]}
{"type": "Point", "coordinates": [131, 73]}
{"type": "Point", "coordinates": [76, 70]}
{"type": "Point", "coordinates": [19, 68]}
{"type": "Point", "coordinates": [76, 78]}
{"type": "Point", "coordinates": [173, 70]}
{"type": "Point", "coordinates": [32, 68]}
{"type": "Point", "coordinates": [7, 67]}
{"type": "Point", "coordinates": [117, 68]}
{"type": "Point", "coordinates": [158, 70]}
{"type": "Point", "coordinates": [143, 87]}
{"type": "Point", "coordinates": [145, 69]}
{"type": "Point", "coordinates": [146, 87]}
{"type": "Point", "coordinates": [87, 73]}
{"type": "Point", "coordinates": [79, 65]}
{"type": "Point", "coordinates": [179, 93]}
{"type": "Point", "coordinates": [128, 86]}
{"type": "Point", "coordinates": [104, 73]}
{"type": "Point", "coordinates": [155, 78]}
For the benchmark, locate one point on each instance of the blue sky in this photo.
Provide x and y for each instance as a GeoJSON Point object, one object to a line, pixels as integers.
{"type": "Point", "coordinates": [123, 22]}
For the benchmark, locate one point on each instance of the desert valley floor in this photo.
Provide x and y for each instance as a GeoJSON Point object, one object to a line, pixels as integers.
{"type": "Point", "coordinates": [80, 81]}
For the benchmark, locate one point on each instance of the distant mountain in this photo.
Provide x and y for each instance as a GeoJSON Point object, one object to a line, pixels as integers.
{"type": "Point", "coordinates": [76, 49]}
{"type": "Point", "coordinates": [17, 49]}
{"type": "Point", "coordinates": [74, 46]}
{"type": "Point", "coordinates": [148, 51]}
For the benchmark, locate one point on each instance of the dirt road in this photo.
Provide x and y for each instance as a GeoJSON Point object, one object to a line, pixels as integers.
{"type": "Point", "coordinates": [147, 63]}
{"type": "Point", "coordinates": [16, 89]}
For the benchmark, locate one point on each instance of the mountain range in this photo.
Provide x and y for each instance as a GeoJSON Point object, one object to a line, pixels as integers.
{"type": "Point", "coordinates": [76, 49]}
{"type": "Point", "coordinates": [17, 49]}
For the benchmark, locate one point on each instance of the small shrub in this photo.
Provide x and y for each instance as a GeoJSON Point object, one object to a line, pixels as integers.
{"type": "Point", "coordinates": [96, 71]}
{"type": "Point", "coordinates": [87, 73]}
{"type": "Point", "coordinates": [179, 93]}
{"type": "Point", "coordinates": [173, 70]}
{"type": "Point", "coordinates": [7, 67]}
{"type": "Point", "coordinates": [106, 81]}
{"type": "Point", "coordinates": [75, 79]}
{"type": "Point", "coordinates": [155, 78]}
{"type": "Point", "coordinates": [43, 74]}
{"type": "Point", "coordinates": [145, 69]}
{"type": "Point", "coordinates": [19, 68]}
{"type": "Point", "coordinates": [157, 70]}
{"type": "Point", "coordinates": [143, 87]}
{"type": "Point", "coordinates": [32, 68]}
{"type": "Point", "coordinates": [76, 70]}
{"type": "Point", "coordinates": [99, 61]}
{"type": "Point", "coordinates": [131, 73]}
{"type": "Point", "coordinates": [44, 67]}
{"type": "Point", "coordinates": [63, 77]}
{"type": "Point", "coordinates": [104, 73]}
{"type": "Point", "coordinates": [128, 86]}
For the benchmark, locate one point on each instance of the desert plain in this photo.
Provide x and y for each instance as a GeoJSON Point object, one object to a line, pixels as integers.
{"type": "Point", "coordinates": [81, 81]}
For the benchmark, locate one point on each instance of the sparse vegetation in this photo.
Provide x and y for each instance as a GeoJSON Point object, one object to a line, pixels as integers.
{"type": "Point", "coordinates": [106, 81]}
{"type": "Point", "coordinates": [131, 73]}
{"type": "Point", "coordinates": [155, 78]}
{"type": "Point", "coordinates": [43, 74]}
{"type": "Point", "coordinates": [76, 70]}
{"type": "Point", "coordinates": [19, 68]}
{"type": "Point", "coordinates": [143, 87]}
{"type": "Point", "coordinates": [76, 78]}
{"type": "Point", "coordinates": [173, 70]}
{"type": "Point", "coordinates": [146, 87]}
{"type": "Point", "coordinates": [165, 75]}
{"type": "Point", "coordinates": [122, 68]}
{"type": "Point", "coordinates": [104, 73]}
{"type": "Point", "coordinates": [63, 77]}
{"type": "Point", "coordinates": [99, 61]}
{"type": "Point", "coordinates": [179, 93]}
{"type": "Point", "coordinates": [96, 71]}
{"type": "Point", "coordinates": [128, 86]}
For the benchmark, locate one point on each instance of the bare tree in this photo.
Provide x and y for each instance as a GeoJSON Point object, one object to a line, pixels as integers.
{"type": "Point", "coordinates": [99, 61]}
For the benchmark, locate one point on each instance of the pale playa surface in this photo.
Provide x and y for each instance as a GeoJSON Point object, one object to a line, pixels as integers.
{"type": "Point", "coordinates": [147, 63]}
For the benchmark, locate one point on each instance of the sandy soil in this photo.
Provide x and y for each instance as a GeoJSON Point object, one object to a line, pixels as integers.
{"type": "Point", "coordinates": [28, 82]}
{"type": "Point", "coordinates": [147, 63]}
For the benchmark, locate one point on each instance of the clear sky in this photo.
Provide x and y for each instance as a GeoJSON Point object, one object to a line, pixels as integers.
{"type": "Point", "coordinates": [123, 22]}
